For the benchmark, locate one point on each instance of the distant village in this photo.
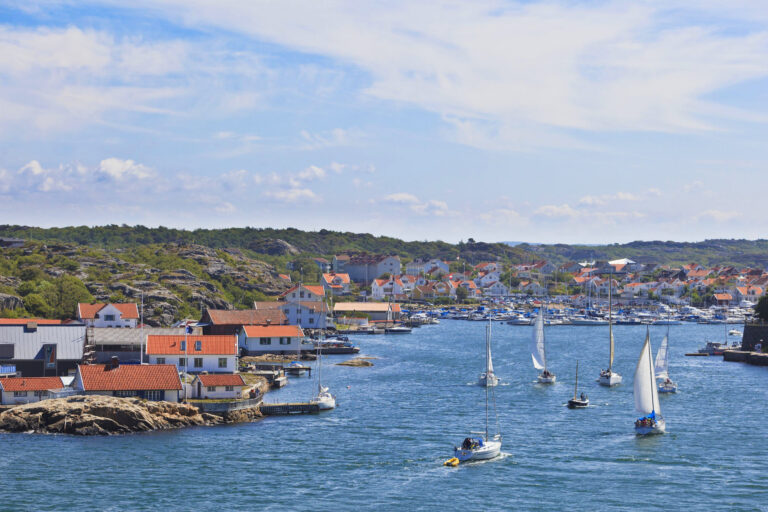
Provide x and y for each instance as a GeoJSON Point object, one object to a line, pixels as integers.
{"type": "Point", "coordinates": [106, 350]}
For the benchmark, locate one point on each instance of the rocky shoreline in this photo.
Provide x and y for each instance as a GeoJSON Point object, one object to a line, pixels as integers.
{"type": "Point", "coordinates": [106, 415]}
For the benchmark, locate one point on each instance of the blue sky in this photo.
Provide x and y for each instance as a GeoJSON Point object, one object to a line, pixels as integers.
{"type": "Point", "coordinates": [558, 121]}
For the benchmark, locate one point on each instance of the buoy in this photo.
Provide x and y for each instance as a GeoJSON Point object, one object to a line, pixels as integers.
{"type": "Point", "coordinates": [453, 462]}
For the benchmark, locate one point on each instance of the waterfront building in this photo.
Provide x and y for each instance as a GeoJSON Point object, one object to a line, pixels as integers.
{"type": "Point", "coordinates": [270, 339]}
{"type": "Point", "coordinates": [218, 386]}
{"type": "Point", "coordinates": [108, 315]}
{"type": "Point", "coordinates": [128, 344]}
{"type": "Point", "coordinates": [194, 354]}
{"type": "Point", "coordinates": [229, 321]}
{"type": "Point", "coordinates": [24, 390]}
{"type": "Point", "coordinates": [374, 310]}
{"type": "Point", "coordinates": [151, 382]}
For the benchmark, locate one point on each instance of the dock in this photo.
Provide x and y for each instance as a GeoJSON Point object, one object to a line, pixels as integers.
{"type": "Point", "coordinates": [289, 408]}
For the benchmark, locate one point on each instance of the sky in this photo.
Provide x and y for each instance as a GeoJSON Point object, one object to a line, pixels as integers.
{"type": "Point", "coordinates": [546, 122]}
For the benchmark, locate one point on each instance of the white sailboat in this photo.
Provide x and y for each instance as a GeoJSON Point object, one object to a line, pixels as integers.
{"type": "Point", "coordinates": [538, 351]}
{"type": "Point", "coordinates": [578, 402]}
{"type": "Point", "coordinates": [609, 377]}
{"type": "Point", "coordinates": [646, 394]}
{"type": "Point", "coordinates": [485, 447]}
{"type": "Point", "coordinates": [488, 377]}
{"type": "Point", "coordinates": [324, 399]}
{"type": "Point", "coordinates": [662, 367]}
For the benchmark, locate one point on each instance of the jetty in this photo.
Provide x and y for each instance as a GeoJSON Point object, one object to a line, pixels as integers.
{"type": "Point", "coordinates": [743, 356]}
{"type": "Point", "coordinates": [286, 409]}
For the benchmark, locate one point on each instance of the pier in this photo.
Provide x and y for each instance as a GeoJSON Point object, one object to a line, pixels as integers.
{"type": "Point", "coordinates": [289, 408]}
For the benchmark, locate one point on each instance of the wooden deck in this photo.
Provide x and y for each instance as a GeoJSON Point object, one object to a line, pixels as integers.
{"type": "Point", "coordinates": [289, 408]}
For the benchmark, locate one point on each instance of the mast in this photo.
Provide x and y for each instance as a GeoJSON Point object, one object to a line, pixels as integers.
{"type": "Point", "coordinates": [610, 318]}
{"type": "Point", "coordinates": [543, 336]}
{"type": "Point", "coordinates": [487, 353]}
{"type": "Point", "coordinates": [576, 386]}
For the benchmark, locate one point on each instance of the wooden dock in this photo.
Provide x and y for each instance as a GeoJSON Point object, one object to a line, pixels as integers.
{"type": "Point", "coordinates": [289, 408]}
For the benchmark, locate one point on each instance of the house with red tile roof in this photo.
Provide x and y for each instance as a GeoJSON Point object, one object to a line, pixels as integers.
{"type": "Point", "coordinates": [194, 354]}
{"type": "Point", "coordinates": [229, 321]}
{"type": "Point", "coordinates": [256, 340]}
{"type": "Point", "coordinates": [28, 321]}
{"type": "Point", "coordinates": [303, 292]}
{"type": "Point", "coordinates": [148, 381]}
{"type": "Point", "coordinates": [98, 314]}
{"type": "Point", "coordinates": [24, 390]}
{"type": "Point", "coordinates": [338, 284]}
{"type": "Point", "coordinates": [218, 386]}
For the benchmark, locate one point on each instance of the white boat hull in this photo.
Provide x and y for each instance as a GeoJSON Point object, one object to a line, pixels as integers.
{"type": "Point", "coordinates": [488, 380]}
{"type": "Point", "coordinates": [547, 380]}
{"type": "Point", "coordinates": [659, 428]}
{"type": "Point", "coordinates": [609, 379]}
{"type": "Point", "coordinates": [667, 387]}
{"type": "Point", "coordinates": [325, 401]}
{"type": "Point", "coordinates": [489, 450]}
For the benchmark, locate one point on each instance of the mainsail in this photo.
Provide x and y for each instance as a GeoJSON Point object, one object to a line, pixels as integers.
{"type": "Point", "coordinates": [488, 360]}
{"type": "Point", "coordinates": [646, 394]}
{"type": "Point", "coordinates": [662, 361]}
{"type": "Point", "coordinates": [537, 343]}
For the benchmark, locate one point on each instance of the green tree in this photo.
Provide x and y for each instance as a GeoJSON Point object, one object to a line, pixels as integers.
{"type": "Point", "coordinates": [761, 308]}
{"type": "Point", "coordinates": [37, 306]}
{"type": "Point", "coordinates": [461, 294]}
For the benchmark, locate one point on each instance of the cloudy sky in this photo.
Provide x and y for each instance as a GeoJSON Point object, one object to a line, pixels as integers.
{"type": "Point", "coordinates": [557, 121]}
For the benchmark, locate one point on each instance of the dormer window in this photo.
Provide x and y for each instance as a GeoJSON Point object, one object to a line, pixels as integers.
{"type": "Point", "coordinates": [183, 345]}
{"type": "Point", "coordinates": [198, 345]}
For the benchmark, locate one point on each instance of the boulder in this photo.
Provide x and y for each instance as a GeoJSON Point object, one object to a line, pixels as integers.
{"type": "Point", "coordinates": [10, 301]}
{"type": "Point", "coordinates": [273, 247]}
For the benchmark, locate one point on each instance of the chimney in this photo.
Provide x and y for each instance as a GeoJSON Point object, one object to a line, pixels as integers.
{"type": "Point", "coordinates": [115, 362]}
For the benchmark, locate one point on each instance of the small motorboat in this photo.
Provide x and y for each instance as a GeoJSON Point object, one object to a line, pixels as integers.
{"type": "Point", "coordinates": [734, 332]}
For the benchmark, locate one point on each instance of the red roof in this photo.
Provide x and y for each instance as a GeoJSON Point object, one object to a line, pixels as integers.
{"type": "Point", "coordinates": [30, 383]}
{"type": "Point", "coordinates": [246, 316]}
{"type": "Point", "coordinates": [272, 331]}
{"type": "Point", "coordinates": [25, 321]}
{"type": "Point", "coordinates": [129, 377]}
{"type": "Point", "coordinates": [127, 310]}
{"type": "Point", "coordinates": [315, 289]}
{"type": "Point", "coordinates": [222, 379]}
{"type": "Point", "coordinates": [723, 296]}
{"type": "Point", "coordinates": [159, 344]}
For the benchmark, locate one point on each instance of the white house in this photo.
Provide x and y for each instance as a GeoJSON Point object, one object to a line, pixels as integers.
{"type": "Point", "coordinates": [338, 284]}
{"type": "Point", "coordinates": [194, 353]}
{"type": "Point", "coordinates": [307, 315]}
{"type": "Point", "coordinates": [108, 315]}
{"type": "Point", "coordinates": [218, 386]}
{"type": "Point", "coordinates": [151, 382]}
{"type": "Point", "coordinates": [270, 339]}
{"type": "Point", "coordinates": [532, 287]}
{"type": "Point", "coordinates": [24, 390]}
{"type": "Point", "coordinates": [496, 289]}
{"type": "Point", "coordinates": [486, 279]}
{"type": "Point", "coordinates": [303, 292]}
{"type": "Point", "coordinates": [385, 288]}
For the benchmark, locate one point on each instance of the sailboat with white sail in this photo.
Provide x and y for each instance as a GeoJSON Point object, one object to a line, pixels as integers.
{"type": "Point", "coordinates": [488, 377]}
{"type": "Point", "coordinates": [646, 394]}
{"type": "Point", "coordinates": [324, 399]}
{"type": "Point", "coordinates": [578, 402]}
{"type": "Point", "coordinates": [609, 377]}
{"type": "Point", "coordinates": [538, 350]}
{"type": "Point", "coordinates": [661, 367]}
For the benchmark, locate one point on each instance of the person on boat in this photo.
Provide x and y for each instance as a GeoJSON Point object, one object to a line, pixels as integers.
{"type": "Point", "coordinates": [583, 396]}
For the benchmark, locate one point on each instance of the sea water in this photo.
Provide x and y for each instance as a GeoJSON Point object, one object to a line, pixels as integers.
{"type": "Point", "coordinates": [397, 421]}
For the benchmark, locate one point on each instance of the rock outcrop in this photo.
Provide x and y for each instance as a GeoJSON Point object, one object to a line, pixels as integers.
{"type": "Point", "coordinates": [102, 415]}
{"type": "Point", "coordinates": [10, 301]}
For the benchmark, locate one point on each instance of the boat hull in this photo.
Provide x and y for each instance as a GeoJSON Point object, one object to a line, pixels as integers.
{"type": "Point", "coordinates": [670, 387]}
{"type": "Point", "coordinates": [489, 450]}
{"type": "Point", "coordinates": [575, 403]}
{"type": "Point", "coordinates": [547, 380]}
{"type": "Point", "coordinates": [488, 381]}
{"type": "Point", "coordinates": [659, 428]}
{"type": "Point", "coordinates": [609, 379]}
{"type": "Point", "coordinates": [324, 401]}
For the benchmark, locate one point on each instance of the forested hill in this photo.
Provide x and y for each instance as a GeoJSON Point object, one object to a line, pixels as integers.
{"type": "Point", "coordinates": [267, 241]}
{"type": "Point", "coordinates": [753, 253]}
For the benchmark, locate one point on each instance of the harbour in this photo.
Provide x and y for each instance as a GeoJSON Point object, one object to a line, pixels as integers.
{"type": "Point", "coordinates": [397, 422]}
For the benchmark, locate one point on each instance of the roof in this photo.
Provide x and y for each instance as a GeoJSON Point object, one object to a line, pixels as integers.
{"type": "Point", "coordinates": [315, 289]}
{"type": "Point", "coordinates": [25, 321]}
{"type": "Point", "coordinates": [19, 343]}
{"type": "Point", "coordinates": [723, 296]}
{"type": "Point", "coordinates": [373, 307]}
{"type": "Point", "coordinates": [246, 316]}
{"type": "Point", "coordinates": [127, 310]}
{"type": "Point", "coordinates": [272, 331]}
{"type": "Point", "coordinates": [342, 277]}
{"type": "Point", "coordinates": [30, 383]}
{"type": "Point", "coordinates": [222, 379]}
{"type": "Point", "coordinates": [109, 336]}
{"type": "Point", "coordinates": [129, 377]}
{"type": "Point", "coordinates": [209, 345]}
{"type": "Point", "coordinates": [315, 305]}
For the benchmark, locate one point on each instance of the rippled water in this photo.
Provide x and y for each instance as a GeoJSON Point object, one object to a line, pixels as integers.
{"type": "Point", "coordinates": [397, 422]}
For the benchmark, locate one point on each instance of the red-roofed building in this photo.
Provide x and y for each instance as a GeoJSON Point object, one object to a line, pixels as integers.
{"type": "Point", "coordinates": [226, 385]}
{"type": "Point", "coordinates": [27, 321]}
{"type": "Point", "coordinates": [338, 284]}
{"type": "Point", "coordinates": [723, 299]}
{"type": "Point", "coordinates": [148, 381]}
{"type": "Point", "coordinates": [108, 315]}
{"type": "Point", "coordinates": [194, 353]}
{"type": "Point", "coordinates": [270, 339]}
{"type": "Point", "coordinates": [303, 293]}
{"type": "Point", "coordinates": [23, 390]}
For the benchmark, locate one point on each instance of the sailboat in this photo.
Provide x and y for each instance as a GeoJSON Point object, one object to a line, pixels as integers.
{"type": "Point", "coordinates": [488, 377]}
{"type": "Point", "coordinates": [578, 402]}
{"type": "Point", "coordinates": [662, 367]}
{"type": "Point", "coordinates": [481, 448]}
{"type": "Point", "coordinates": [324, 399]}
{"type": "Point", "coordinates": [646, 394]}
{"type": "Point", "coordinates": [538, 352]}
{"type": "Point", "coordinates": [609, 377]}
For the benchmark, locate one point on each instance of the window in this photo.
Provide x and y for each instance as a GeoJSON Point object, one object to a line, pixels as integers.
{"type": "Point", "coordinates": [311, 320]}
{"type": "Point", "coordinates": [301, 294]}
{"type": "Point", "coordinates": [198, 362]}
{"type": "Point", "coordinates": [183, 345]}
{"type": "Point", "coordinates": [41, 394]}
{"type": "Point", "coordinates": [160, 360]}
{"type": "Point", "coordinates": [19, 393]}
{"type": "Point", "coordinates": [222, 362]}
{"type": "Point", "coordinates": [230, 388]}
{"type": "Point", "coordinates": [154, 395]}
{"type": "Point", "coordinates": [182, 361]}
{"type": "Point", "coordinates": [109, 318]}
{"type": "Point", "coordinates": [285, 341]}
{"type": "Point", "coordinates": [124, 393]}
{"type": "Point", "coordinates": [198, 345]}
{"type": "Point", "coordinates": [265, 341]}
{"type": "Point", "coordinates": [211, 388]}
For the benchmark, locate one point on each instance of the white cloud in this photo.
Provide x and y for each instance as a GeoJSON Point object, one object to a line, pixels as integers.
{"type": "Point", "coordinates": [225, 207]}
{"type": "Point", "coordinates": [402, 197]}
{"type": "Point", "coordinates": [717, 215]}
{"type": "Point", "coordinates": [292, 195]}
{"type": "Point", "coordinates": [504, 217]}
{"type": "Point", "coordinates": [120, 170]}
{"type": "Point", "coordinates": [332, 138]}
{"type": "Point", "coordinates": [555, 211]}
{"type": "Point", "coordinates": [311, 173]}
